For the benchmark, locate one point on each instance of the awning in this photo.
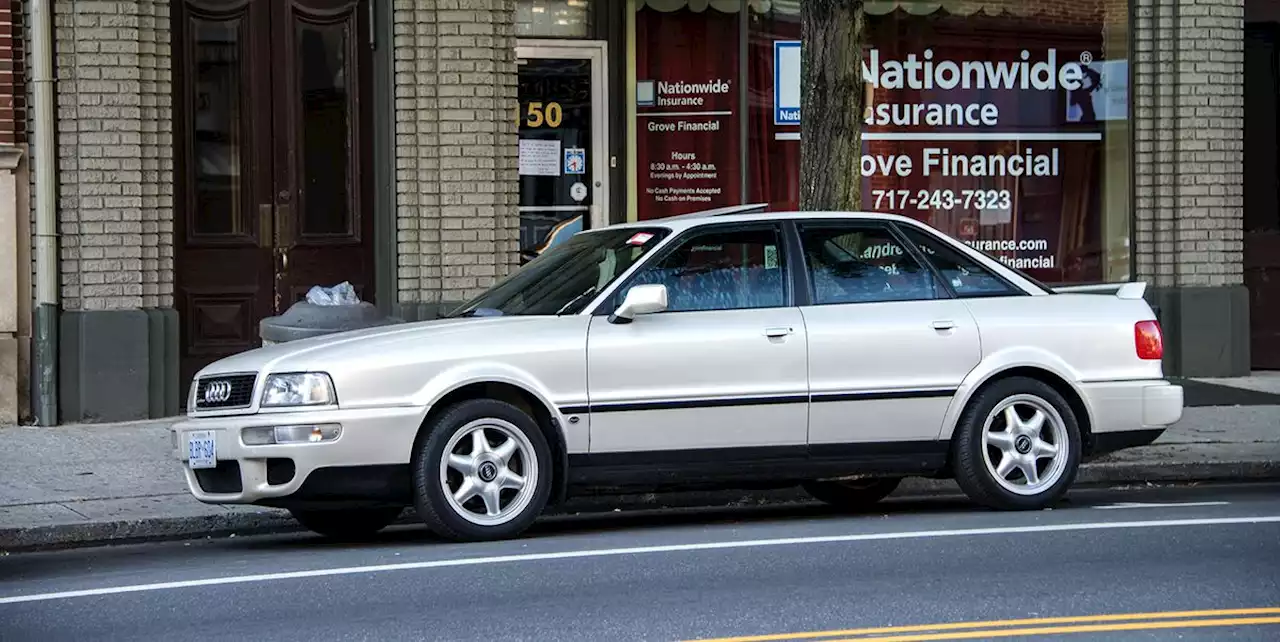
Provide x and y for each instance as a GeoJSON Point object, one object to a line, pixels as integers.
{"type": "Point", "coordinates": [873, 7]}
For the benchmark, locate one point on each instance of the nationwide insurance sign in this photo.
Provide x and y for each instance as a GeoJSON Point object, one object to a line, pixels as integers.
{"type": "Point", "coordinates": [786, 82]}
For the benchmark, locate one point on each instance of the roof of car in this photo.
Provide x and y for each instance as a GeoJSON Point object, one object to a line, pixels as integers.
{"type": "Point", "coordinates": [753, 212]}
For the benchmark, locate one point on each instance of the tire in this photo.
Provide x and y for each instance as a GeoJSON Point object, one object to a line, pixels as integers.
{"type": "Point", "coordinates": [514, 444]}
{"type": "Point", "coordinates": [853, 494]}
{"type": "Point", "coordinates": [348, 523]}
{"type": "Point", "coordinates": [978, 461]}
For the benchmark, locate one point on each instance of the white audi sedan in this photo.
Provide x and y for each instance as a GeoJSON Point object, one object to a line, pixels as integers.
{"type": "Point", "coordinates": [840, 352]}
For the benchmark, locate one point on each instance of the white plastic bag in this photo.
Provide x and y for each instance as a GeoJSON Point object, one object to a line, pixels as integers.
{"type": "Point", "coordinates": [340, 294]}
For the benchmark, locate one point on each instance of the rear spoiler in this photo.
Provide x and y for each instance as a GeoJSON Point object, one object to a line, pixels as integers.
{"type": "Point", "coordinates": [1121, 290]}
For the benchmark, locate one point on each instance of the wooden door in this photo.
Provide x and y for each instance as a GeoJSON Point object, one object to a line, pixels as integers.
{"type": "Point", "coordinates": [273, 163]}
{"type": "Point", "coordinates": [1262, 192]}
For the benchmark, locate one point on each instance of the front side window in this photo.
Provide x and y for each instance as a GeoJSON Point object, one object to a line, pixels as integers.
{"type": "Point", "coordinates": [967, 278]}
{"type": "Point", "coordinates": [722, 270]}
{"type": "Point", "coordinates": [863, 264]}
{"type": "Point", "coordinates": [565, 278]}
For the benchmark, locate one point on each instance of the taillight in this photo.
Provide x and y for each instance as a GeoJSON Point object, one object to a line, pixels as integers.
{"type": "Point", "coordinates": [1148, 340]}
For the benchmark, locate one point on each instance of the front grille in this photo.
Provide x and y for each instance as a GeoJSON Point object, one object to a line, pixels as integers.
{"type": "Point", "coordinates": [220, 392]}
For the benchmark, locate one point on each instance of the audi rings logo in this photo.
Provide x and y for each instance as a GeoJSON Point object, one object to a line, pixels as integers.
{"type": "Point", "coordinates": [217, 392]}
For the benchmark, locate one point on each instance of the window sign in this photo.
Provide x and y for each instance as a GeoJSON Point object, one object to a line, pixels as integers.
{"type": "Point", "coordinates": [786, 94]}
{"type": "Point", "coordinates": [1008, 132]}
{"type": "Point", "coordinates": [687, 110]}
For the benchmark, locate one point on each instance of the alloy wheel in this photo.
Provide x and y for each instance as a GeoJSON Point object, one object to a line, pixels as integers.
{"type": "Point", "coordinates": [1025, 444]}
{"type": "Point", "coordinates": [489, 472]}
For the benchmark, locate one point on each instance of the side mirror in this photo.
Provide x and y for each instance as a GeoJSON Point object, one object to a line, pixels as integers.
{"type": "Point", "coordinates": [641, 299]}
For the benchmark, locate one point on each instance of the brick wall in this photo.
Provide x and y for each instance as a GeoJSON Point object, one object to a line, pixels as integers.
{"type": "Point", "coordinates": [114, 120]}
{"type": "Point", "coordinates": [456, 149]}
{"type": "Point", "coordinates": [1189, 118]}
{"type": "Point", "coordinates": [13, 100]}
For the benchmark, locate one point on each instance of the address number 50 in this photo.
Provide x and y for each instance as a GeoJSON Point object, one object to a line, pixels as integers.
{"type": "Point", "coordinates": [538, 115]}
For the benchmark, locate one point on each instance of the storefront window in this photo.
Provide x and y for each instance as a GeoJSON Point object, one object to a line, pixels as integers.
{"type": "Point", "coordinates": [1003, 123]}
{"type": "Point", "coordinates": [552, 18]}
{"type": "Point", "coordinates": [687, 106]}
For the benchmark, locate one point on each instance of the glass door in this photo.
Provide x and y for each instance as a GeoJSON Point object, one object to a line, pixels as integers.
{"type": "Point", "coordinates": [564, 168]}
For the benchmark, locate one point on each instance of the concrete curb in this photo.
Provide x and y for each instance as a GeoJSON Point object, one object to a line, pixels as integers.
{"type": "Point", "coordinates": [270, 521]}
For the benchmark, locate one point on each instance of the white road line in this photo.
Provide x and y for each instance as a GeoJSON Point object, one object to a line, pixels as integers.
{"type": "Point", "coordinates": [1158, 505]}
{"type": "Point", "coordinates": [639, 550]}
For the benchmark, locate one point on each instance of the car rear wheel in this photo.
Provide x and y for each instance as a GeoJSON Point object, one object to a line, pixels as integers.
{"type": "Point", "coordinates": [1017, 445]}
{"type": "Point", "coordinates": [853, 494]}
{"type": "Point", "coordinates": [346, 523]}
{"type": "Point", "coordinates": [483, 472]}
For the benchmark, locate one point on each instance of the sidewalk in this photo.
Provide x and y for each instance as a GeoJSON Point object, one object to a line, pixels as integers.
{"type": "Point", "coordinates": [92, 484]}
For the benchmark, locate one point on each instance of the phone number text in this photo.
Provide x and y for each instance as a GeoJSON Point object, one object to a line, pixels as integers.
{"type": "Point", "coordinates": [943, 199]}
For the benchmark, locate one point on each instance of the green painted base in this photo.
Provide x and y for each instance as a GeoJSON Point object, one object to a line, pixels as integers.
{"type": "Point", "coordinates": [118, 365]}
{"type": "Point", "coordinates": [1206, 330]}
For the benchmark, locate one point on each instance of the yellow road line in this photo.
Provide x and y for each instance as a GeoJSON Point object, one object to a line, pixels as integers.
{"type": "Point", "coordinates": [956, 626]}
{"type": "Point", "coordinates": [1059, 630]}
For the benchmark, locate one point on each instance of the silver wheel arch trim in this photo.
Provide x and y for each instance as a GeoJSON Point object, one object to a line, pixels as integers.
{"type": "Point", "coordinates": [997, 365]}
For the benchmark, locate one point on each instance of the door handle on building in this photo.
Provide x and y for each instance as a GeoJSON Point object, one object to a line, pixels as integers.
{"type": "Point", "coordinates": [774, 333]}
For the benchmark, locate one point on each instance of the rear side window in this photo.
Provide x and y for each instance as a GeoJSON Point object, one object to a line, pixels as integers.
{"type": "Point", "coordinates": [859, 263]}
{"type": "Point", "coordinates": [964, 275]}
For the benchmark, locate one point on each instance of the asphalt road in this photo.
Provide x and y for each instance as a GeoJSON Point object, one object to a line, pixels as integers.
{"type": "Point", "coordinates": [938, 563]}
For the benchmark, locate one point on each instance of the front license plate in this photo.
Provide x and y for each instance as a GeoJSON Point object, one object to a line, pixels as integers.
{"type": "Point", "coordinates": [202, 449]}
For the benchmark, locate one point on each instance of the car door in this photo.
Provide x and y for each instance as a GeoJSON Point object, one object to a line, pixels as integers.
{"type": "Point", "coordinates": [888, 344]}
{"type": "Point", "coordinates": [722, 373]}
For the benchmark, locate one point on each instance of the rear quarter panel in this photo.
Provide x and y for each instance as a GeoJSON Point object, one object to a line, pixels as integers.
{"type": "Point", "coordinates": [1082, 338]}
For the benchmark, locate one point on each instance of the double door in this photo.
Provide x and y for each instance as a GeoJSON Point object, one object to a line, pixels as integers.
{"type": "Point", "coordinates": [273, 163]}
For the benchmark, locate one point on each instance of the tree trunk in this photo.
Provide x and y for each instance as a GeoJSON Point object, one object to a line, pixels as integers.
{"type": "Point", "coordinates": [831, 104]}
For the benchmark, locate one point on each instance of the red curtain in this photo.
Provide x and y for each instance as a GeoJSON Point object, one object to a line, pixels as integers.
{"type": "Point", "coordinates": [687, 143]}
{"type": "Point", "coordinates": [773, 166]}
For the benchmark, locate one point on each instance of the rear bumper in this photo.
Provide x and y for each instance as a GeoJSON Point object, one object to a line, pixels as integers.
{"type": "Point", "coordinates": [1126, 414]}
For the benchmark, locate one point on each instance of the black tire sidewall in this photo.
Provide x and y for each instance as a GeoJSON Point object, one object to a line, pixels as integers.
{"type": "Point", "coordinates": [970, 468]}
{"type": "Point", "coordinates": [346, 523]}
{"type": "Point", "coordinates": [843, 496]}
{"type": "Point", "coordinates": [429, 499]}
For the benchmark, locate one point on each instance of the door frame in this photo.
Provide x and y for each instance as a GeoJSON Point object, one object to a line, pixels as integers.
{"type": "Point", "coordinates": [378, 203]}
{"type": "Point", "coordinates": [596, 51]}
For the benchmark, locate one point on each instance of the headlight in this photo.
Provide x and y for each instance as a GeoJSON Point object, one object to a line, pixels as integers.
{"type": "Point", "coordinates": [298, 389]}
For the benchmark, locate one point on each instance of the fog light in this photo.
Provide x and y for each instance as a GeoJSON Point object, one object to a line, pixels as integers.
{"type": "Point", "coordinates": [304, 434]}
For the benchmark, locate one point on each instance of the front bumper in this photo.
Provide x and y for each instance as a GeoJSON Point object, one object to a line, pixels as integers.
{"type": "Point", "coordinates": [247, 474]}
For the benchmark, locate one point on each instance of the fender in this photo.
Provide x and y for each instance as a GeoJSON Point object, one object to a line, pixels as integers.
{"type": "Point", "coordinates": [462, 375]}
{"type": "Point", "coordinates": [1000, 362]}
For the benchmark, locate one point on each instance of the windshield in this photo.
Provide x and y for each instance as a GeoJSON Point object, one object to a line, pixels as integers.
{"type": "Point", "coordinates": [564, 279]}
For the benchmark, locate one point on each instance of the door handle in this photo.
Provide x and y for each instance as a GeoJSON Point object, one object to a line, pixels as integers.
{"type": "Point", "coordinates": [774, 333]}
{"type": "Point", "coordinates": [943, 325]}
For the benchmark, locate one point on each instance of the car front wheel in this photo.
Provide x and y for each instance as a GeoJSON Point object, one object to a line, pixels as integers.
{"type": "Point", "coordinates": [483, 472]}
{"type": "Point", "coordinates": [1017, 446]}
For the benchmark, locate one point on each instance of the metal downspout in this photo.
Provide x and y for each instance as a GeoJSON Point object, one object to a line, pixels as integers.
{"type": "Point", "coordinates": [45, 363]}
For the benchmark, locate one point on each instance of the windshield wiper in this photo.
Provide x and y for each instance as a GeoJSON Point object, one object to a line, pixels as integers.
{"type": "Point", "coordinates": [482, 312]}
{"type": "Point", "coordinates": [591, 290]}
